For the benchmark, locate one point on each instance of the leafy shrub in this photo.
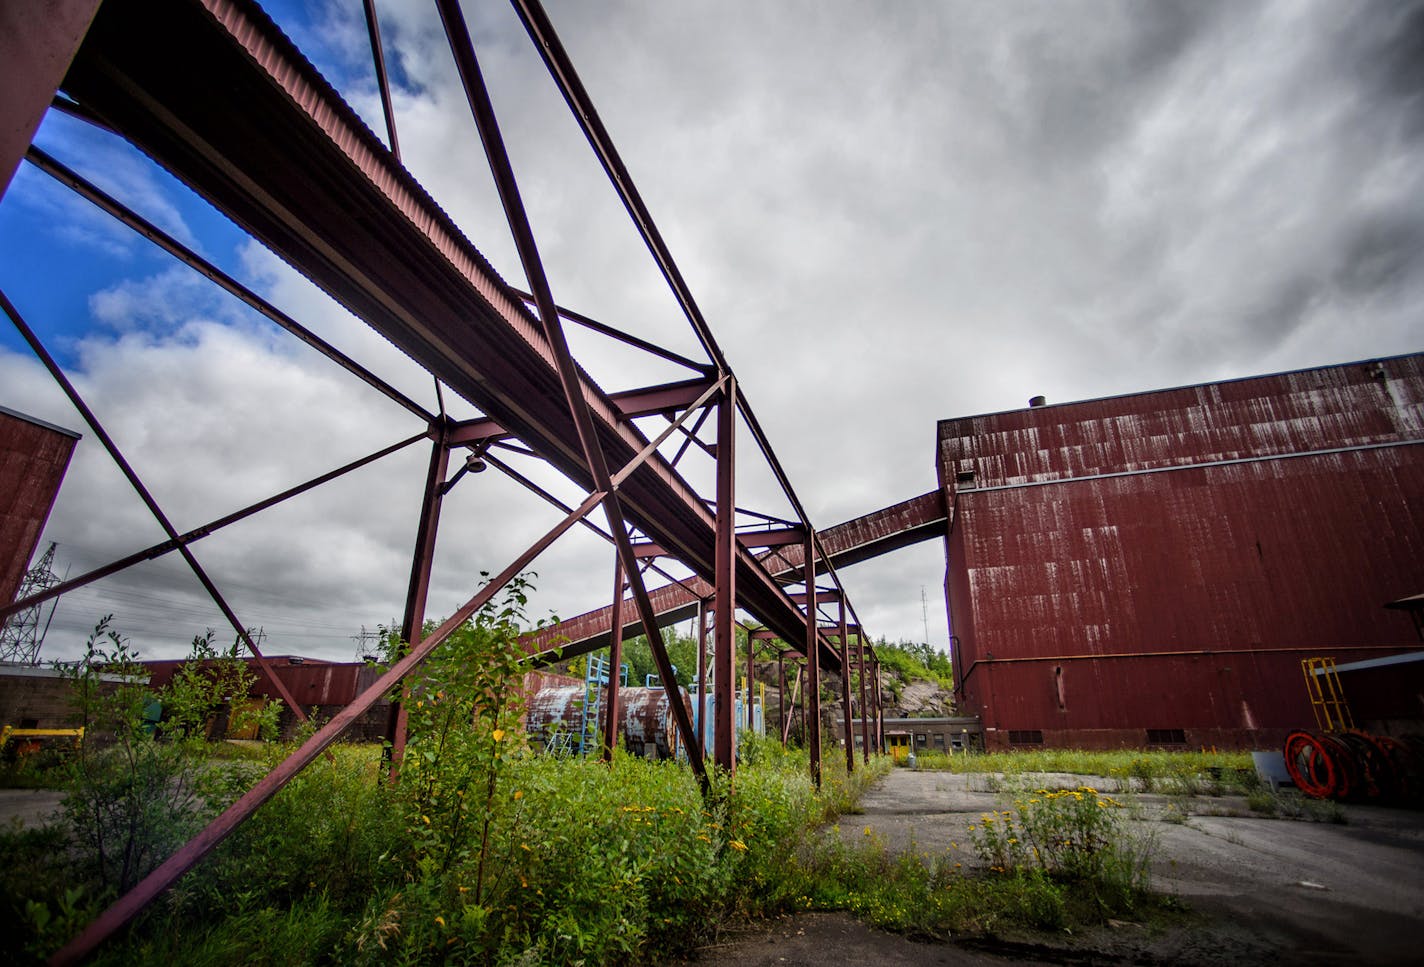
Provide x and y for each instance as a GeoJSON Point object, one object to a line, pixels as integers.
{"type": "Point", "coordinates": [1074, 834]}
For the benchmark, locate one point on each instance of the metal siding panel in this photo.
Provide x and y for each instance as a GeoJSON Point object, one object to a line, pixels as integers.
{"type": "Point", "coordinates": [1294, 555]}
{"type": "Point", "coordinates": [33, 460]}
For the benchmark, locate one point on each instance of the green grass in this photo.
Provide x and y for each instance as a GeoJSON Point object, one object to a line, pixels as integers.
{"type": "Point", "coordinates": [582, 863]}
{"type": "Point", "coordinates": [1182, 773]}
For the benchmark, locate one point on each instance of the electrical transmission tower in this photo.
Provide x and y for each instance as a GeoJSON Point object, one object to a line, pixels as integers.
{"type": "Point", "coordinates": [21, 636]}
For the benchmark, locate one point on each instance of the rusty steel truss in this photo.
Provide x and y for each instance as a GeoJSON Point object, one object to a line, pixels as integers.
{"type": "Point", "coordinates": [213, 92]}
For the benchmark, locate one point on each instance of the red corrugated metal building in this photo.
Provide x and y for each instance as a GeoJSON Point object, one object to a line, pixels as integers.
{"type": "Point", "coordinates": [1150, 569]}
{"type": "Point", "coordinates": [33, 458]}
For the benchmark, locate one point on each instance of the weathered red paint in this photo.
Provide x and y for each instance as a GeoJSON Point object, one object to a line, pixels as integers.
{"type": "Point", "coordinates": [33, 458]}
{"type": "Point", "coordinates": [1163, 560]}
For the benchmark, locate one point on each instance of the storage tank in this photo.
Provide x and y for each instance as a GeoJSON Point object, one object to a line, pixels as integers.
{"type": "Point", "coordinates": [556, 717]}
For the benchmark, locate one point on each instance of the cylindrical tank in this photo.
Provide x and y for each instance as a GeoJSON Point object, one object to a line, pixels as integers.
{"type": "Point", "coordinates": [555, 718]}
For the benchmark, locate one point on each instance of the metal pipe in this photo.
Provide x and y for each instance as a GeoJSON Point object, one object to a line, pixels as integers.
{"type": "Point", "coordinates": [198, 533]}
{"type": "Point", "coordinates": [113, 450]}
{"type": "Point", "coordinates": [128, 906]}
{"type": "Point", "coordinates": [561, 68]}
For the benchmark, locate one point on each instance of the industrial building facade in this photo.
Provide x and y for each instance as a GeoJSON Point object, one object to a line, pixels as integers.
{"type": "Point", "coordinates": [33, 458]}
{"type": "Point", "coordinates": [1151, 569]}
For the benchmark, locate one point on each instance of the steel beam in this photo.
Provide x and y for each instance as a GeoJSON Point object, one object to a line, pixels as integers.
{"type": "Point", "coordinates": [845, 694]}
{"type": "Point", "coordinates": [813, 671]}
{"type": "Point", "coordinates": [725, 584]}
{"type": "Point", "coordinates": [594, 457]}
{"type": "Point", "coordinates": [593, 325]}
{"type": "Point", "coordinates": [702, 679]}
{"type": "Point", "coordinates": [128, 906]}
{"type": "Point", "coordinates": [100, 199]}
{"type": "Point", "coordinates": [615, 659]}
{"type": "Point", "coordinates": [864, 708]}
{"type": "Point", "coordinates": [378, 58]}
{"type": "Point", "coordinates": [646, 401]}
{"type": "Point", "coordinates": [421, 562]}
{"type": "Point", "coordinates": [198, 533]}
{"type": "Point", "coordinates": [236, 113]}
{"type": "Point", "coordinates": [772, 538]}
{"type": "Point", "coordinates": [137, 484]}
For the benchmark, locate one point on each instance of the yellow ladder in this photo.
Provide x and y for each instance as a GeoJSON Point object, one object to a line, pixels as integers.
{"type": "Point", "coordinates": [1327, 697]}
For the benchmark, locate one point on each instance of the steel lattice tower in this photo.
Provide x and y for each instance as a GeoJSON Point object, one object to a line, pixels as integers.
{"type": "Point", "coordinates": [21, 636]}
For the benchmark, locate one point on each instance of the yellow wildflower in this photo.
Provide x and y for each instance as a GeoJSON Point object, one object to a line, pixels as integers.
{"type": "Point", "coordinates": [440, 920]}
{"type": "Point", "coordinates": [498, 735]}
{"type": "Point", "coordinates": [738, 845]}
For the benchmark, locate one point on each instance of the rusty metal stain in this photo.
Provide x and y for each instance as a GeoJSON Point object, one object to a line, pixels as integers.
{"type": "Point", "coordinates": [33, 460]}
{"type": "Point", "coordinates": [1294, 550]}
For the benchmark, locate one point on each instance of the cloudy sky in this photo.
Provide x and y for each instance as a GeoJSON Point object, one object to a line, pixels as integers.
{"type": "Point", "coordinates": [889, 213]}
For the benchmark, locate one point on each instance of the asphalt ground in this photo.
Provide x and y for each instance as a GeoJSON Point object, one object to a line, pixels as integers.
{"type": "Point", "coordinates": [1258, 891]}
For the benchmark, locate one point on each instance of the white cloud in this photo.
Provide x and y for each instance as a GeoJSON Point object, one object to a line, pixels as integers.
{"type": "Point", "coordinates": [889, 215]}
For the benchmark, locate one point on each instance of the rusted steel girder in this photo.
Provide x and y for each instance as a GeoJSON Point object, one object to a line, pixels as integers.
{"type": "Point", "coordinates": [900, 525]}
{"type": "Point", "coordinates": [378, 59]}
{"type": "Point", "coordinates": [100, 199]}
{"type": "Point", "coordinates": [229, 108]}
{"type": "Point", "coordinates": [845, 693]}
{"type": "Point", "coordinates": [725, 585]}
{"type": "Point", "coordinates": [418, 589]}
{"type": "Point", "coordinates": [813, 668]}
{"type": "Point", "coordinates": [864, 709]}
{"type": "Point", "coordinates": [595, 459]}
{"type": "Point", "coordinates": [198, 533]}
{"type": "Point", "coordinates": [615, 660]}
{"type": "Point", "coordinates": [126, 907]}
{"type": "Point", "coordinates": [137, 484]}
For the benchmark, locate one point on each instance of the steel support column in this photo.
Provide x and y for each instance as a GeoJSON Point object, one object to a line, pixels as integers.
{"type": "Point", "coordinates": [724, 624]}
{"type": "Point", "coordinates": [702, 679]}
{"type": "Point", "coordinates": [751, 678]}
{"type": "Point", "coordinates": [615, 659]}
{"type": "Point", "coordinates": [780, 695]}
{"type": "Point", "coordinates": [813, 665]}
{"type": "Point", "coordinates": [422, 559]}
{"type": "Point", "coordinates": [879, 710]}
{"type": "Point", "coordinates": [864, 706]}
{"type": "Point", "coordinates": [845, 692]}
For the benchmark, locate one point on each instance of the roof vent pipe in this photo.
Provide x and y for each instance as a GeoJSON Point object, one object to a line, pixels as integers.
{"type": "Point", "coordinates": [1038, 401]}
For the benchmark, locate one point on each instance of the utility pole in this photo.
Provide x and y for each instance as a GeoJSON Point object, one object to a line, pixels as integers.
{"type": "Point", "coordinates": [925, 613]}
